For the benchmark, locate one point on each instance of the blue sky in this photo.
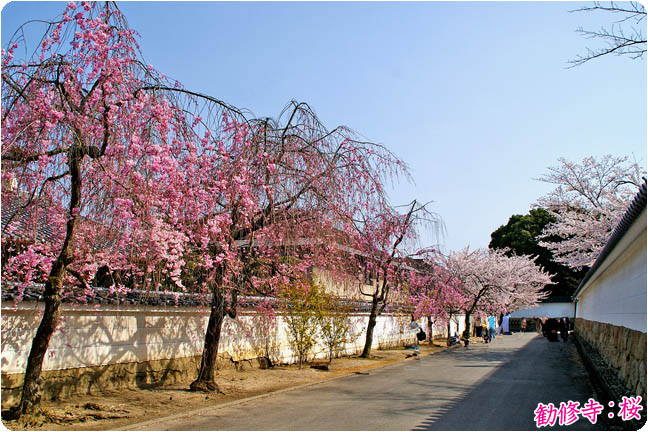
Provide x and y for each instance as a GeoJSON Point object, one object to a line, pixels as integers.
{"type": "Point", "coordinates": [475, 97]}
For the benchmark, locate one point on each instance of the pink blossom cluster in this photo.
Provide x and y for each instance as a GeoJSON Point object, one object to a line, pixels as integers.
{"type": "Point", "coordinates": [176, 187]}
{"type": "Point", "coordinates": [480, 282]}
{"type": "Point", "coordinates": [589, 200]}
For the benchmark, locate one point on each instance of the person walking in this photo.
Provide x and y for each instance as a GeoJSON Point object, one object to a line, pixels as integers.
{"type": "Point", "coordinates": [551, 328]}
{"type": "Point", "coordinates": [465, 337]}
{"type": "Point", "coordinates": [485, 330]}
{"type": "Point", "coordinates": [492, 326]}
{"type": "Point", "coordinates": [420, 334]}
{"type": "Point", "coordinates": [478, 327]}
{"type": "Point", "coordinates": [504, 325]}
{"type": "Point", "coordinates": [564, 328]}
{"type": "Point", "coordinates": [543, 326]}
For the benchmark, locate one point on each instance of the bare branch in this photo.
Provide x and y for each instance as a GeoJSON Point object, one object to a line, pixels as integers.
{"type": "Point", "coordinates": [630, 42]}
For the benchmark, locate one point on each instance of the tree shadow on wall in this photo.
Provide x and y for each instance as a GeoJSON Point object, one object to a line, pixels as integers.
{"type": "Point", "coordinates": [251, 337]}
{"type": "Point", "coordinates": [18, 329]}
{"type": "Point", "coordinates": [94, 352]}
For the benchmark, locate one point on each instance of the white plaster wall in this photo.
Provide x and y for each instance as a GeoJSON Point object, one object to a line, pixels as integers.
{"type": "Point", "coordinates": [457, 325]}
{"type": "Point", "coordinates": [440, 329]}
{"type": "Point", "coordinates": [109, 334]}
{"type": "Point", "coordinates": [549, 310]}
{"type": "Point", "coordinates": [616, 293]}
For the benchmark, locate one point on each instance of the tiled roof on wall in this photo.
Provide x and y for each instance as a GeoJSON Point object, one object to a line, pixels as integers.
{"type": "Point", "coordinates": [108, 297]}
{"type": "Point", "coordinates": [29, 223]}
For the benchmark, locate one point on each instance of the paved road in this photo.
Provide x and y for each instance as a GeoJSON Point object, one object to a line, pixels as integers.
{"type": "Point", "coordinates": [483, 387]}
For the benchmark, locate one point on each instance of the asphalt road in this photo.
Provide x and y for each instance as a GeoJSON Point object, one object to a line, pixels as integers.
{"type": "Point", "coordinates": [482, 387]}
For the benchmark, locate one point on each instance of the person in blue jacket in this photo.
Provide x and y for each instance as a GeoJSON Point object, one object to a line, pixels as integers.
{"type": "Point", "coordinates": [492, 326]}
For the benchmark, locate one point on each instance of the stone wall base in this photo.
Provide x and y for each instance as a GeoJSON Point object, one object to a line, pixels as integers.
{"type": "Point", "coordinates": [97, 379]}
{"type": "Point", "coordinates": [142, 346]}
{"type": "Point", "coordinates": [60, 384]}
{"type": "Point", "coordinates": [623, 350]}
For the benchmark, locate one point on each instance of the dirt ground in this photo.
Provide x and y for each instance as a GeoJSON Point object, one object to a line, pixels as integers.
{"type": "Point", "coordinates": [130, 406]}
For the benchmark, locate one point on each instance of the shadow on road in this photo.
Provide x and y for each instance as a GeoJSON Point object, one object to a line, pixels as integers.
{"type": "Point", "coordinates": [539, 371]}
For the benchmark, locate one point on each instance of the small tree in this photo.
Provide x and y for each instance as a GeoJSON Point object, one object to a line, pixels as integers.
{"type": "Point", "coordinates": [300, 306]}
{"type": "Point", "coordinates": [382, 239]}
{"type": "Point", "coordinates": [436, 293]}
{"type": "Point", "coordinates": [334, 323]}
{"type": "Point", "coordinates": [275, 188]}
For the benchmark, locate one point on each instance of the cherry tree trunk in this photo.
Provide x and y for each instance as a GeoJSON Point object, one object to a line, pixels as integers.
{"type": "Point", "coordinates": [373, 315]}
{"type": "Point", "coordinates": [206, 375]}
{"type": "Point", "coordinates": [30, 397]}
{"type": "Point", "coordinates": [466, 332]}
{"type": "Point", "coordinates": [449, 327]}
